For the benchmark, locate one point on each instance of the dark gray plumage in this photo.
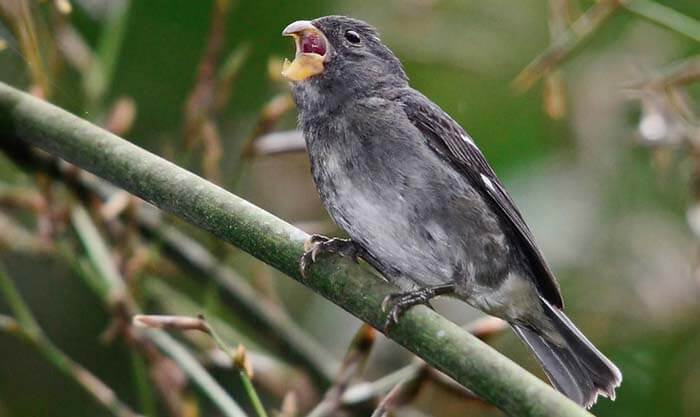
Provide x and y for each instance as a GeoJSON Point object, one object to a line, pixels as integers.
{"type": "Point", "coordinates": [421, 204]}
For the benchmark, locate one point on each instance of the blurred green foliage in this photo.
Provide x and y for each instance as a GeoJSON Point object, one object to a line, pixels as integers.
{"type": "Point", "coordinates": [610, 214]}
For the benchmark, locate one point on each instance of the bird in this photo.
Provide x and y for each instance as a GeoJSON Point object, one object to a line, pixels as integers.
{"type": "Point", "coordinates": [420, 203]}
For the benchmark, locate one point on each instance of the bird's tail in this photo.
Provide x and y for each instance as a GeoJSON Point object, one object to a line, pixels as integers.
{"type": "Point", "coordinates": [576, 368]}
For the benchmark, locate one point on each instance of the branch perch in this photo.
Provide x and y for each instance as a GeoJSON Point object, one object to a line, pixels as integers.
{"type": "Point", "coordinates": [234, 290]}
{"type": "Point", "coordinates": [439, 342]}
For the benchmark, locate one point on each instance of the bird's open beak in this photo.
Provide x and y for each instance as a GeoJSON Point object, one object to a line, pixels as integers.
{"type": "Point", "coordinates": [312, 48]}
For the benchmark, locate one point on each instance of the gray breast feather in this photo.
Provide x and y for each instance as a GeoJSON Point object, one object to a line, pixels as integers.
{"type": "Point", "coordinates": [391, 193]}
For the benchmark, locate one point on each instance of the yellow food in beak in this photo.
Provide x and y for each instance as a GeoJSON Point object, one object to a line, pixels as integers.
{"type": "Point", "coordinates": [303, 67]}
{"type": "Point", "coordinates": [311, 50]}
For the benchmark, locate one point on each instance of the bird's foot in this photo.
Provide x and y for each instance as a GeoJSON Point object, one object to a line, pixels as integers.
{"type": "Point", "coordinates": [396, 304]}
{"type": "Point", "coordinates": [318, 245]}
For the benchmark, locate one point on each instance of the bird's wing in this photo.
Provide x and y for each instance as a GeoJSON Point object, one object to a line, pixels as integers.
{"type": "Point", "coordinates": [446, 137]}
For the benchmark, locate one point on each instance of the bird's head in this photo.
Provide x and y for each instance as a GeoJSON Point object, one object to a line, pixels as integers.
{"type": "Point", "coordinates": [336, 58]}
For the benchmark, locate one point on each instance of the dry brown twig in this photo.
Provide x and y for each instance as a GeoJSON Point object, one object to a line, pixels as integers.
{"type": "Point", "coordinates": [684, 72]}
{"type": "Point", "coordinates": [568, 40]}
{"type": "Point", "coordinates": [289, 407]}
{"type": "Point", "coordinates": [167, 322]}
{"type": "Point", "coordinates": [120, 118]}
{"type": "Point", "coordinates": [563, 45]}
{"type": "Point", "coordinates": [238, 357]}
{"type": "Point", "coordinates": [193, 257]}
{"type": "Point", "coordinates": [74, 48]}
{"type": "Point", "coordinates": [270, 115]}
{"type": "Point", "coordinates": [16, 237]}
{"type": "Point", "coordinates": [669, 122]}
{"type": "Point", "coordinates": [668, 118]}
{"type": "Point", "coordinates": [204, 102]}
{"type": "Point", "coordinates": [114, 292]}
{"type": "Point", "coordinates": [404, 384]}
{"type": "Point", "coordinates": [20, 17]}
{"type": "Point", "coordinates": [403, 393]}
{"type": "Point", "coordinates": [352, 366]}
{"type": "Point", "coordinates": [554, 95]}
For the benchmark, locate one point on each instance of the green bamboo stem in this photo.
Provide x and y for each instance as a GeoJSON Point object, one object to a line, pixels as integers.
{"type": "Point", "coordinates": [144, 389]}
{"type": "Point", "coordinates": [439, 342]}
{"type": "Point", "coordinates": [252, 394]}
{"type": "Point", "coordinates": [242, 371]}
{"type": "Point", "coordinates": [281, 332]}
{"type": "Point", "coordinates": [665, 16]}
{"type": "Point", "coordinates": [97, 80]}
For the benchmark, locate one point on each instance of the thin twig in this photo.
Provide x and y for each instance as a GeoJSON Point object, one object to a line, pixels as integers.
{"type": "Point", "coordinates": [268, 118]}
{"type": "Point", "coordinates": [294, 341]}
{"type": "Point", "coordinates": [679, 73]}
{"type": "Point", "coordinates": [228, 74]}
{"type": "Point", "coordinates": [98, 253]}
{"type": "Point", "coordinates": [99, 77]}
{"type": "Point", "coordinates": [367, 391]}
{"type": "Point", "coordinates": [273, 375]}
{"type": "Point", "coordinates": [554, 95]}
{"type": "Point", "coordinates": [74, 48]}
{"type": "Point", "coordinates": [238, 357]}
{"type": "Point", "coordinates": [665, 16]}
{"type": "Point", "coordinates": [110, 289]}
{"type": "Point", "coordinates": [197, 373]}
{"type": "Point", "coordinates": [562, 47]}
{"type": "Point", "coordinates": [352, 366]}
{"type": "Point", "coordinates": [401, 394]}
{"type": "Point", "coordinates": [15, 236]}
{"type": "Point", "coordinates": [202, 105]}
{"type": "Point", "coordinates": [29, 40]}
{"type": "Point", "coordinates": [276, 143]}
{"type": "Point", "coordinates": [17, 305]}
{"type": "Point", "coordinates": [289, 407]}
{"type": "Point", "coordinates": [484, 329]}
{"type": "Point", "coordinates": [245, 370]}
{"type": "Point", "coordinates": [143, 387]}
{"type": "Point", "coordinates": [262, 313]}
{"type": "Point", "coordinates": [271, 113]}
{"type": "Point", "coordinates": [175, 302]}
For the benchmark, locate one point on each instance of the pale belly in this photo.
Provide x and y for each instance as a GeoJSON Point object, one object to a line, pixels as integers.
{"type": "Point", "coordinates": [426, 225]}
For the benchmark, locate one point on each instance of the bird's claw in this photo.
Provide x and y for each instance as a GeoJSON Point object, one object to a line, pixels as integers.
{"type": "Point", "coordinates": [398, 303]}
{"type": "Point", "coordinates": [318, 245]}
{"type": "Point", "coordinates": [393, 310]}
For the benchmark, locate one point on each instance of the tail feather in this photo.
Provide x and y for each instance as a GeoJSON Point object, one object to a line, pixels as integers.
{"type": "Point", "coordinates": [565, 374]}
{"type": "Point", "coordinates": [576, 368]}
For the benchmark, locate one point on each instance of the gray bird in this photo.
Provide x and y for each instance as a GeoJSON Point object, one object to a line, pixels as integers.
{"type": "Point", "coordinates": [421, 204]}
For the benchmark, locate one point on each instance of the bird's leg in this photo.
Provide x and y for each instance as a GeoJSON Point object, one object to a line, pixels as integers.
{"type": "Point", "coordinates": [397, 304]}
{"type": "Point", "coordinates": [317, 245]}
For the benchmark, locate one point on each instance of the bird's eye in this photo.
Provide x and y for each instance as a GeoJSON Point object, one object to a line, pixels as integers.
{"type": "Point", "coordinates": [352, 37]}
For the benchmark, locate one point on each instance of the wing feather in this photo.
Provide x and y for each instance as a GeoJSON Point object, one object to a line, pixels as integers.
{"type": "Point", "coordinates": [449, 139]}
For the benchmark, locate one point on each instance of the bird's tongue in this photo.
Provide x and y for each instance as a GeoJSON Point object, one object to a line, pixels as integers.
{"type": "Point", "coordinates": [312, 43]}
{"type": "Point", "coordinates": [309, 59]}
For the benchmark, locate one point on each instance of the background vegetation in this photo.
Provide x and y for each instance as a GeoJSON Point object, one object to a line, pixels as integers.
{"type": "Point", "coordinates": [598, 142]}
